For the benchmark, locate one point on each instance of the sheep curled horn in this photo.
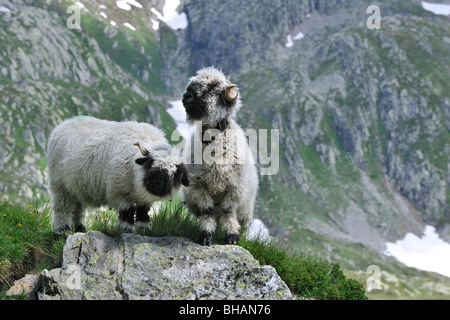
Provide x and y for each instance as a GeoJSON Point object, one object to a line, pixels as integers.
{"type": "Point", "coordinates": [231, 92]}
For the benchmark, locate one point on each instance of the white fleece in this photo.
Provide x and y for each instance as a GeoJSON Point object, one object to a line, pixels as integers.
{"type": "Point", "coordinates": [92, 163]}
{"type": "Point", "coordinates": [226, 180]}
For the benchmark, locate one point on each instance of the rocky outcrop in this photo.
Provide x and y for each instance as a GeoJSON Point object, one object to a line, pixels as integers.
{"type": "Point", "coordinates": [25, 286]}
{"type": "Point", "coordinates": [96, 266]}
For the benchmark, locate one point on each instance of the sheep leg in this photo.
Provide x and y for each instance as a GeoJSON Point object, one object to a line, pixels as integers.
{"type": "Point", "coordinates": [198, 198]}
{"type": "Point", "coordinates": [201, 204]}
{"type": "Point", "coordinates": [229, 220]}
{"type": "Point", "coordinates": [207, 224]}
{"type": "Point", "coordinates": [231, 226]}
{"type": "Point", "coordinates": [65, 210]}
{"type": "Point", "coordinates": [78, 219]}
{"type": "Point", "coordinates": [126, 219]}
{"type": "Point", "coordinates": [142, 218]}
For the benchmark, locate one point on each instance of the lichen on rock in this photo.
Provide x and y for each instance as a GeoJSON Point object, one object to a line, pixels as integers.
{"type": "Point", "coordinates": [97, 266]}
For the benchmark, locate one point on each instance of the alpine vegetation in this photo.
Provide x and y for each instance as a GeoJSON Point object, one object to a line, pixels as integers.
{"type": "Point", "coordinates": [222, 187]}
{"type": "Point", "coordinates": [125, 165]}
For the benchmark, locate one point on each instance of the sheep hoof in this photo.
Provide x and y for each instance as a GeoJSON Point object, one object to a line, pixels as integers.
{"type": "Point", "coordinates": [126, 227]}
{"type": "Point", "coordinates": [63, 232]}
{"type": "Point", "coordinates": [231, 238]}
{"type": "Point", "coordinates": [207, 238]}
{"type": "Point", "coordinates": [142, 228]}
{"type": "Point", "coordinates": [80, 228]}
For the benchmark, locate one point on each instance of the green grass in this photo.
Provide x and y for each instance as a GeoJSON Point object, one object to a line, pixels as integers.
{"type": "Point", "coordinates": [27, 245]}
{"type": "Point", "coordinates": [306, 274]}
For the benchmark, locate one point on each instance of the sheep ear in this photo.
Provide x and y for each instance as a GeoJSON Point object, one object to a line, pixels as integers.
{"type": "Point", "coordinates": [141, 161]}
{"type": "Point", "coordinates": [184, 176]}
{"type": "Point", "coordinates": [185, 180]}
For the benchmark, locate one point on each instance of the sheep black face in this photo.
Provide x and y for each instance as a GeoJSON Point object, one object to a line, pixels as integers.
{"type": "Point", "coordinates": [161, 181]}
{"type": "Point", "coordinates": [210, 97]}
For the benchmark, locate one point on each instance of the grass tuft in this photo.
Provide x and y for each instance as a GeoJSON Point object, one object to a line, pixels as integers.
{"type": "Point", "coordinates": [306, 273]}
{"type": "Point", "coordinates": [27, 243]}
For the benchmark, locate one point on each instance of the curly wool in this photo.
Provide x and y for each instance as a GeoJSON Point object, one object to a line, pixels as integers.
{"type": "Point", "coordinates": [223, 187]}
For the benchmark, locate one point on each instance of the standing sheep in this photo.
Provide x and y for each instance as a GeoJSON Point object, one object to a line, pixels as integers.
{"type": "Point", "coordinates": [225, 184]}
{"type": "Point", "coordinates": [125, 165]}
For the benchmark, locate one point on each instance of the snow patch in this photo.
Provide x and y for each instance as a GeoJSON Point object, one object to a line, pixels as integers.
{"type": "Point", "coordinates": [134, 3]}
{"type": "Point", "coordinates": [290, 40]}
{"type": "Point", "coordinates": [126, 4]}
{"type": "Point", "coordinates": [155, 24]}
{"type": "Point", "coordinates": [4, 9]}
{"type": "Point", "coordinates": [128, 25]}
{"type": "Point", "coordinates": [170, 16]}
{"type": "Point", "coordinates": [437, 8]}
{"type": "Point", "coordinates": [103, 15]}
{"type": "Point", "coordinates": [178, 114]}
{"type": "Point", "coordinates": [123, 5]}
{"type": "Point", "coordinates": [79, 4]}
{"type": "Point", "coordinates": [299, 36]}
{"type": "Point", "coordinates": [428, 253]}
{"type": "Point", "coordinates": [258, 230]}
{"type": "Point", "coordinates": [113, 23]}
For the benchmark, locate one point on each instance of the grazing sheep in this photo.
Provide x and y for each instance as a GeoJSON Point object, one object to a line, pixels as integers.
{"type": "Point", "coordinates": [225, 184]}
{"type": "Point", "coordinates": [124, 165]}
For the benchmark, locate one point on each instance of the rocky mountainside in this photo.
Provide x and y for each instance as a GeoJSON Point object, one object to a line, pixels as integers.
{"type": "Point", "coordinates": [363, 114]}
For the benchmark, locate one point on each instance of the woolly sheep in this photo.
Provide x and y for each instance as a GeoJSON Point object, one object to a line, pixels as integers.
{"type": "Point", "coordinates": [219, 190]}
{"type": "Point", "coordinates": [124, 165]}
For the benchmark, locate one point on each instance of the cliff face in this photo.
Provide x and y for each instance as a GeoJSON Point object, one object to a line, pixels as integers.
{"type": "Point", "coordinates": [363, 114]}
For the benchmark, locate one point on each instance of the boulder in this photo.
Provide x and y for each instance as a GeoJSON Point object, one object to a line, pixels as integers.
{"type": "Point", "coordinates": [97, 266]}
{"type": "Point", "coordinates": [26, 286]}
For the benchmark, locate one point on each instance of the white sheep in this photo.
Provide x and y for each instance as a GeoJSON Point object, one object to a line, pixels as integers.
{"type": "Point", "coordinates": [224, 185]}
{"type": "Point", "coordinates": [125, 165]}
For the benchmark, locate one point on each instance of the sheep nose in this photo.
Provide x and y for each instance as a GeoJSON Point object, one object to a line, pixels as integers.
{"type": "Point", "coordinates": [188, 97]}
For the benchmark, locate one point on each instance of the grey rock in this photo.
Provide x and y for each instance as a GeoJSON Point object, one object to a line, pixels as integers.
{"type": "Point", "coordinates": [26, 285]}
{"type": "Point", "coordinates": [97, 266]}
